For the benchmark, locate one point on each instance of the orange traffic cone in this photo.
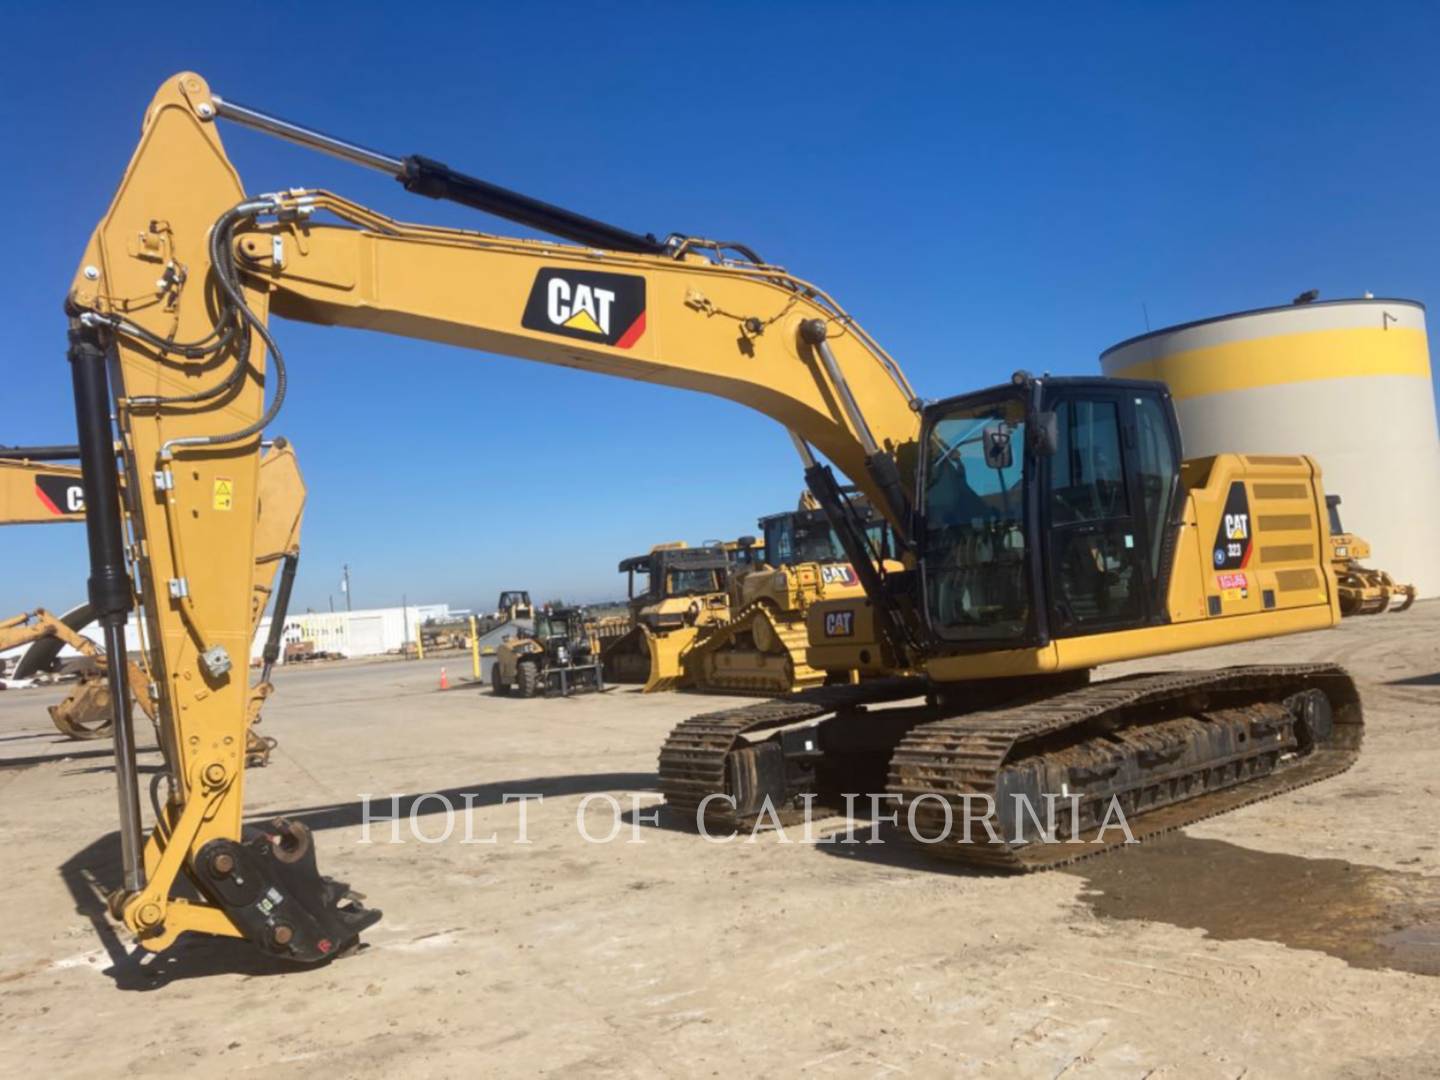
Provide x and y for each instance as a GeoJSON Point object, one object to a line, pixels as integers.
{"type": "Point", "coordinates": [444, 682]}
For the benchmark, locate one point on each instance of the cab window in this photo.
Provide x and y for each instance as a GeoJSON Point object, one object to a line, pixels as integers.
{"type": "Point", "coordinates": [974, 544]}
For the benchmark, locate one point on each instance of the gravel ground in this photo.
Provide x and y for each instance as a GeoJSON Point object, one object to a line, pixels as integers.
{"type": "Point", "coordinates": [1297, 936]}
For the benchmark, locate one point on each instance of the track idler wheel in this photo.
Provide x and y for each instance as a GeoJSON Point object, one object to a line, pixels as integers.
{"type": "Point", "coordinates": [1314, 718]}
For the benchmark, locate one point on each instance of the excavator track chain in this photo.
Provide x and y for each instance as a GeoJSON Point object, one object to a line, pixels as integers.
{"type": "Point", "coordinates": [1171, 748]}
{"type": "Point", "coordinates": [1228, 738]}
{"type": "Point", "coordinates": [695, 759]}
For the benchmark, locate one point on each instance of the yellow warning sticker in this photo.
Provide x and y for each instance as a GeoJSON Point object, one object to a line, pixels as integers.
{"type": "Point", "coordinates": [224, 494]}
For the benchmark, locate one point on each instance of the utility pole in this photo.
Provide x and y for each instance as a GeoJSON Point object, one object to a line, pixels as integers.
{"type": "Point", "coordinates": [345, 585]}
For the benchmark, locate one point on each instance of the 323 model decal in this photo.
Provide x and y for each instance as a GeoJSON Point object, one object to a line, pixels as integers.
{"type": "Point", "coordinates": [608, 309]}
{"type": "Point", "coordinates": [1232, 538]}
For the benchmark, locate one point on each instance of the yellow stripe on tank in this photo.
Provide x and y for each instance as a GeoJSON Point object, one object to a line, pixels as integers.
{"type": "Point", "coordinates": [1288, 358]}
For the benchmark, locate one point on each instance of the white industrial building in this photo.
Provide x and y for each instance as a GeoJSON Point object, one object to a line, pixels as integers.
{"type": "Point", "coordinates": [372, 632]}
{"type": "Point", "coordinates": [1347, 382]}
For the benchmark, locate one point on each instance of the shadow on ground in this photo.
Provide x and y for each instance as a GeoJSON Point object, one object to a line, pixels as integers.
{"type": "Point", "coordinates": [93, 872]}
{"type": "Point", "coordinates": [1433, 679]}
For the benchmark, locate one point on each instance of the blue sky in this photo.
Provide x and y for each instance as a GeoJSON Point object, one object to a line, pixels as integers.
{"type": "Point", "coordinates": [985, 188]}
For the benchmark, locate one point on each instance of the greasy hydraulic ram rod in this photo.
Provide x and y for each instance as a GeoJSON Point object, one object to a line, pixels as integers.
{"type": "Point", "coordinates": [109, 584]}
{"type": "Point", "coordinates": [425, 176]}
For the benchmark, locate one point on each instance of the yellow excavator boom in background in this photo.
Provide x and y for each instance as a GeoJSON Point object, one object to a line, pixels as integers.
{"type": "Point", "coordinates": [1044, 526]}
{"type": "Point", "coordinates": [86, 712]}
{"type": "Point", "coordinates": [38, 493]}
{"type": "Point", "coordinates": [35, 490]}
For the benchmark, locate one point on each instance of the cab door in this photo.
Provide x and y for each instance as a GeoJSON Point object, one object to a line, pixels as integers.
{"type": "Point", "coordinates": [1096, 541]}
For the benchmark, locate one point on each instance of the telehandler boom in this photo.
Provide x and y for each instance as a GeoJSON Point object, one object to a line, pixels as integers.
{"type": "Point", "coordinates": [1044, 526]}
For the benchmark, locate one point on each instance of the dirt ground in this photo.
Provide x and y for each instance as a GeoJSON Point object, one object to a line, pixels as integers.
{"type": "Point", "coordinates": [1297, 936]}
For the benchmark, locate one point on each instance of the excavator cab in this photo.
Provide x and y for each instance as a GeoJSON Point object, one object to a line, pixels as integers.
{"type": "Point", "coordinates": [1044, 508]}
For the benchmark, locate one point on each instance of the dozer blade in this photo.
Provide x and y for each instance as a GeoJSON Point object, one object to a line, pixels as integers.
{"type": "Point", "coordinates": [667, 651]}
{"type": "Point", "coordinates": [649, 659]}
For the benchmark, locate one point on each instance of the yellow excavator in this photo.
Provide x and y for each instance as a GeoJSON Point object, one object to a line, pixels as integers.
{"type": "Point", "coordinates": [761, 648]}
{"type": "Point", "coordinates": [681, 598]}
{"type": "Point", "coordinates": [85, 712]}
{"type": "Point", "coordinates": [1044, 527]}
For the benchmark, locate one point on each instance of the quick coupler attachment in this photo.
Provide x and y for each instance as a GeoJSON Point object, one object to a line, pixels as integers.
{"type": "Point", "coordinates": [269, 886]}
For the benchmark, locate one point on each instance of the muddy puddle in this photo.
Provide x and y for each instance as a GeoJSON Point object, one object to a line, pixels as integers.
{"type": "Point", "coordinates": [1366, 916]}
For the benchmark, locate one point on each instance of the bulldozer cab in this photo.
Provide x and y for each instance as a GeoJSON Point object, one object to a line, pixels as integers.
{"type": "Point", "coordinates": [668, 572]}
{"type": "Point", "coordinates": [806, 535]}
{"type": "Point", "coordinates": [1045, 508]}
{"type": "Point", "coordinates": [744, 552]}
{"type": "Point", "coordinates": [515, 604]}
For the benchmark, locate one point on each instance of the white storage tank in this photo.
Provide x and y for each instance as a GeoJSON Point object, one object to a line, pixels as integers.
{"type": "Point", "coordinates": [1346, 381]}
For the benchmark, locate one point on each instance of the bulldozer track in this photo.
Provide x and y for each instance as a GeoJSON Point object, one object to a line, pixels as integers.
{"type": "Point", "coordinates": [962, 756]}
{"type": "Point", "coordinates": [791, 634]}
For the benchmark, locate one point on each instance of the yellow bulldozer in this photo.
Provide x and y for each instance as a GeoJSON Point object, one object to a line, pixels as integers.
{"type": "Point", "coordinates": [1043, 527]}
{"type": "Point", "coordinates": [1362, 591]}
{"type": "Point", "coordinates": [761, 648]}
{"type": "Point", "coordinates": [677, 595]}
